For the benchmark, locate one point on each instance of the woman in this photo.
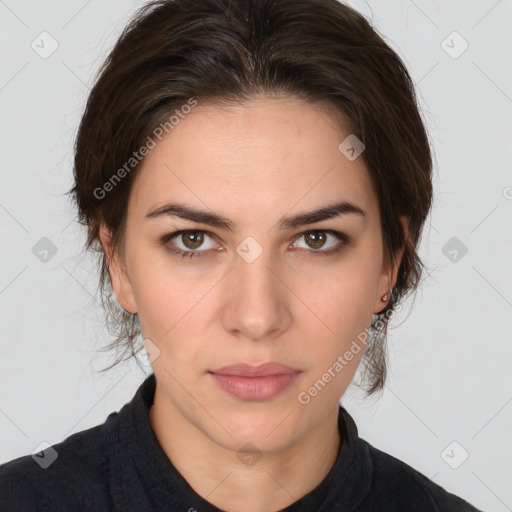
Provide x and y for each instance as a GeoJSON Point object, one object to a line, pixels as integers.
{"type": "Point", "coordinates": [255, 175]}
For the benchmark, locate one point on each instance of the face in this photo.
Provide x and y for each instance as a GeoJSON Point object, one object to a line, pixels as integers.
{"type": "Point", "coordinates": [231, 257]}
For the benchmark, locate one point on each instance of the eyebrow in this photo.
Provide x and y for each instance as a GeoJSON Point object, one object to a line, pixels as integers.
{"type": "Point", "coordinates": [218, 221]}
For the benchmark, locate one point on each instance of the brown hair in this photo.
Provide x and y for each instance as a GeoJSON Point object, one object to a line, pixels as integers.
{"type": "Point", "coordinates": [321, 51]}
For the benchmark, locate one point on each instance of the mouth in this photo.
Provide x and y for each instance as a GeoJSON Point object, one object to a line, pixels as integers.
{"type": "Point", "coordinates": [255, 383]}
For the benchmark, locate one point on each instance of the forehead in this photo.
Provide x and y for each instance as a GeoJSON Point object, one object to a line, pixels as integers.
{"type": "Point", "coordinates": [267, 153]}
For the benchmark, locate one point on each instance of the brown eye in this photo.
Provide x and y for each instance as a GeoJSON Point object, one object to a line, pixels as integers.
{"type": "Point", "coordinates": [322, 241]}
{"type": "Point", "coordinates": [192, 240]}
{"type": "Point", "coordinates": [315, 239]}
{"type": "Point", "coordinates": [190, 243]}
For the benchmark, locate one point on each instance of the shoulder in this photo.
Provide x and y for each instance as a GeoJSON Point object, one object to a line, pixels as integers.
{"type": "Point", "coordinates": [401, 487]}
{"type": "Point", "coordinates": [69, 472]}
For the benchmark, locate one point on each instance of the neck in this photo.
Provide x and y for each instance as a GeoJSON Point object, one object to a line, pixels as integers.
{"type": "Point", "coordinates": [215, 473]}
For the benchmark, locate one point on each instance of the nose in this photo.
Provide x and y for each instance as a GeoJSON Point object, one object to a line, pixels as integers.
{"type": "Point", "coordinates": [257, 305]}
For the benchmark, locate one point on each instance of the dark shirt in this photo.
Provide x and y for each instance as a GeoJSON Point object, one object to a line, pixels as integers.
{"type": "Point", "coordinates": [120, 466]}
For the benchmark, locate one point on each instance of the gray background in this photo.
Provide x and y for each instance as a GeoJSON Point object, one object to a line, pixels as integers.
{"type": "Point", "coordinates": [450, 352]}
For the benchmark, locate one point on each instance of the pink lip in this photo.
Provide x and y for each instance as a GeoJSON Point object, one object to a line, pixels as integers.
{"type": "Point", "coordinates": [255, 383]}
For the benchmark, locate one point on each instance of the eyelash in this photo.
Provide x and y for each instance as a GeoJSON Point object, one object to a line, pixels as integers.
{"type": "Point", "coordinates": [345, 239]}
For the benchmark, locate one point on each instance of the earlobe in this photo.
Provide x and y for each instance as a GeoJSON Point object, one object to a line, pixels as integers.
{"type": "Point", "coordinates": [119, 280]}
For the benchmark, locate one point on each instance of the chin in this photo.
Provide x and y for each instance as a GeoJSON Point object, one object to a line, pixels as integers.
{"type": "Point", "coordinates": [267, 428]}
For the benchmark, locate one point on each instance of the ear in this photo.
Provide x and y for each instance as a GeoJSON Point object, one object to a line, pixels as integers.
{"type": "Point", "coordinates": [390, 273]}
{"type": "Point", "coordinates": [119, 279]}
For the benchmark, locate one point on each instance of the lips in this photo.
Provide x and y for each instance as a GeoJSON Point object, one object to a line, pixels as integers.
{"type": "Point", "coordinates": [255, 383]}
{"type": "Point", "coordinates": [262, 370]}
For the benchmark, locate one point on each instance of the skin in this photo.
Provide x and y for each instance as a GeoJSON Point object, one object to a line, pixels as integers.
{"type": "Point", "coordinates": [255, 164]}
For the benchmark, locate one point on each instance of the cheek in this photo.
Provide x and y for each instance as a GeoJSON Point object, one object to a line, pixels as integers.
{"type": "Point", "coordinates": [158, 292]}
{"type": "Point", "coordinates": [344, 302]}
{"type": "Point", "coordinates": [162, 305]}
{"type": "Point", "coordinates": [170, 299]}
{"type": "Point", "coordinates": [344, 298]}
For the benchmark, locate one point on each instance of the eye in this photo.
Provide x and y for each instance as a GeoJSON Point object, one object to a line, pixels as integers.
{"type": "Point", "coordinates": [322, 241]}
{"type": "Point", "coordinates": [188, 243]}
